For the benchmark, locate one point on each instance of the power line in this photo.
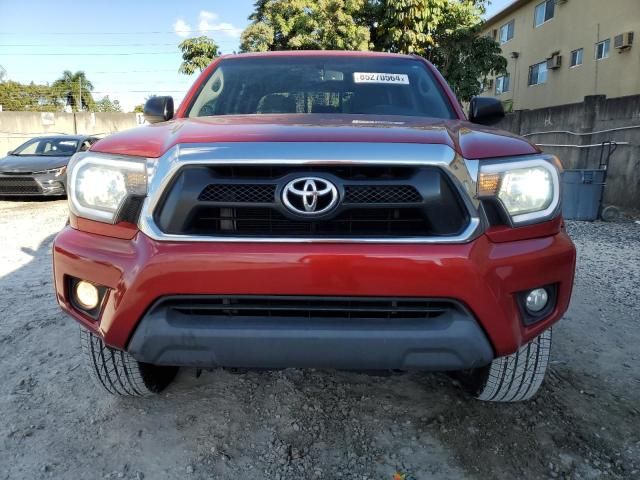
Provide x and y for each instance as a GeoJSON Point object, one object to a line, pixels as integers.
{"type": "Point", "coordinates": [177, 52]}
{"type": "Point", "coordinates": [98, 96]}
{"type": "Point", "coordinates": [75, 45]}
{"type": "Point", "coordinates": [112, 92]}
{"type": "Point", "coordinates": [188, 32]}
{"type": "Point", "coordinates": [104, 71]}
{"type": "Point", "coordinates": [118, 85]}
{"type": "Point", "coordinates": [89, 45]}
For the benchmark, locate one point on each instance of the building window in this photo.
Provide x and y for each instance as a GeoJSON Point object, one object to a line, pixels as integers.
{"type": "Point", "coordinates": [486, 84]}
{"type": "Point", "coordinates": [576, 57]}
{"type": "Point", "coordinates": [538, 73]}
{"type": "Point", "coordinates": [544, 12]}
{"type": "Point", "coordinates": [502, 84]}
{"type": "Point", "coordinates": [602, 49]}
{"type": "Point", "coordinates": [506, 31]}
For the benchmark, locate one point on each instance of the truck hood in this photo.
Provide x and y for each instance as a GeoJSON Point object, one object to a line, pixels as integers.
{"type": "Point", "coordinates": [469, 140]}
{"type": "Point", "coordinates": [31, 163]}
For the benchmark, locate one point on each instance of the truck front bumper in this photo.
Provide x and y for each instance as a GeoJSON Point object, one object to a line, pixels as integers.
{"type": "Point", "coordinates": [479, 280]}
{"type": "Point", "coordinates": [315, 332]}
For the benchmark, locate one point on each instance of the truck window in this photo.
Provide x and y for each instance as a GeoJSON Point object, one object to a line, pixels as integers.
{"type": "Point", "coordinates": [338, 85]}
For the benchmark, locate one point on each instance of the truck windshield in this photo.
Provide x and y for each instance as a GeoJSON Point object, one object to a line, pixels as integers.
{"type": "Point", "coordinates": [339, 85]}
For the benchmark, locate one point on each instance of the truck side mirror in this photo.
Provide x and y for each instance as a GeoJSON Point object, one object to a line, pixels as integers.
{"type": "Point", "coordinates": [485, 110]}
{"type": "Point", "coordinates": [158, 109]}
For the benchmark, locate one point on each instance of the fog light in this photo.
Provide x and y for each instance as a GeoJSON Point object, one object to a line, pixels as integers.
{"type": "Point", "coordinates": [536, 300]}
{"type": "Point", "coordinates": [87, 295]}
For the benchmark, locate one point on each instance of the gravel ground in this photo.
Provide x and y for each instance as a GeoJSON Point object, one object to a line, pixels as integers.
{"type": "Point", "coordinates": [296, 424]}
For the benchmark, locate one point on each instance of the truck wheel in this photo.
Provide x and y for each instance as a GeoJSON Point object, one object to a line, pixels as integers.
{"type": "Point", "coordinates": [513, 378]}
{"type": "Point", "coordinates": [121, 374]}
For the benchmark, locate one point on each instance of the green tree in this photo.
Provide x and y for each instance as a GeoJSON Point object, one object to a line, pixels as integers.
{"type": "Point", "coordinates": [138, 108]}
{"type": "Point", "coordinates": [465, 58]}
{"type": "Point", "coordinates": [257, 37]}
{"type": "Point", "coordinates": [306, 25]}
{"type": "Point", "coordinates": [197, 53]}
{"type": "Point", "coordinates": [259, 11]}
{"type": "Point", "coordinates": [107, 105]}
{"type": "Point", "coordinates": [74, 89]}
{"type": "Point", "coordinates": [462, 55]}
{"type": "Point", "coordinates": [370, 16]}
{"type": "Point", "coordinates": [447, 33]}
{"type": "Point", "coordinates": [406, 26]}
{"type": "Point", "coordinates": [15, 96]}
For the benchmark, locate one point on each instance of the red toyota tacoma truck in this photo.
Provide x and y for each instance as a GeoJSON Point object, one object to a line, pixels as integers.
{"type": "Point", "coordinates": [320, 210]}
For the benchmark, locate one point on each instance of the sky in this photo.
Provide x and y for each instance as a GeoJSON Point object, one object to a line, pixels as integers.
{"type": "Point", "coordinates": [39, 39]}
{"type": "Point", "coordinates": [496, 6]}
{"type": "Point", "coordinates": [127, 48]}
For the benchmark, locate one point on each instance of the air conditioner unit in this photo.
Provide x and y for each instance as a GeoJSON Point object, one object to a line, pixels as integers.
{"type": "Point", "coordinates": [624, 40]}
{"type": "Point", "coordinates": [554, 62]}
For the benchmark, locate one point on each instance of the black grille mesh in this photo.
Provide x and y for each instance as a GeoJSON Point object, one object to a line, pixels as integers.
{"type": "Point", "coordinates": [241, 193]}
{"type": "Point", "coordinates": [17, 186]}
{"type": "Point", "coordinates": [268, 221]}
{"type": "Point", "coordinates": [381, 194]}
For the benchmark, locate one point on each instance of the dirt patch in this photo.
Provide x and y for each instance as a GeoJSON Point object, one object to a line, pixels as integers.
{"type": "Point", "coordinates": [309, 424]}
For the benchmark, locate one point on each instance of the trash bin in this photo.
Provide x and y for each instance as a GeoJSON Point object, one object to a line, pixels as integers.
{"type": "Point", "coordinates": [582, 193]}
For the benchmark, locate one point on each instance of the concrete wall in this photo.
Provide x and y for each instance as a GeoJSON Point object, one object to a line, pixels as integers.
{"type": "Point", "coordinates": [594, 114]}
{"type": "Point", "coordinates": [18, 127]}
{"type": "Point", "coordinates": [618, 119]}
{"type": "Point", "coordinates": [576, 24]}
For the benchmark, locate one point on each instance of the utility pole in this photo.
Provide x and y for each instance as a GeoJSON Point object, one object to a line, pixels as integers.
{"type": "Point", "coordinates": [79, 94]}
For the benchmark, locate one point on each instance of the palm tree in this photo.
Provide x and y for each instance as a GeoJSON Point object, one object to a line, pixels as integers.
{"type": "Point", "coordinates": [75, 90]}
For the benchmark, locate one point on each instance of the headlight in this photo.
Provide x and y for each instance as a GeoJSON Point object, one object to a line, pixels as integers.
{"type": "Point", "coordinates": [99, 184]}
{"type": "Point", "coordinates": [56, 171]}
{"type": "Point", "coordinates": [529, 190]}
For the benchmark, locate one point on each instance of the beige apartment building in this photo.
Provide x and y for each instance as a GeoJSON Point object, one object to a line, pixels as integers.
{"type": "Point", "coordinates": [559, 51]}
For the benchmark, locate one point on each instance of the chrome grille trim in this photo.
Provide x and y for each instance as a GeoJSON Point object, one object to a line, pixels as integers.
{"type": "Point", "coordinates": [163, 169]}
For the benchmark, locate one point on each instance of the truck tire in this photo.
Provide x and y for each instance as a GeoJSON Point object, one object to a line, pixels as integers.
{"type": "Point", "coordinates": [513, 378]}
{"type": "Point", "coordinates": [121, 374]}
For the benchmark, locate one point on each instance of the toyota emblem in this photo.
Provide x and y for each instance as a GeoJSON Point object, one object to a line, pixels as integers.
{"type": "Point", "coordinates": [310, 196]}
